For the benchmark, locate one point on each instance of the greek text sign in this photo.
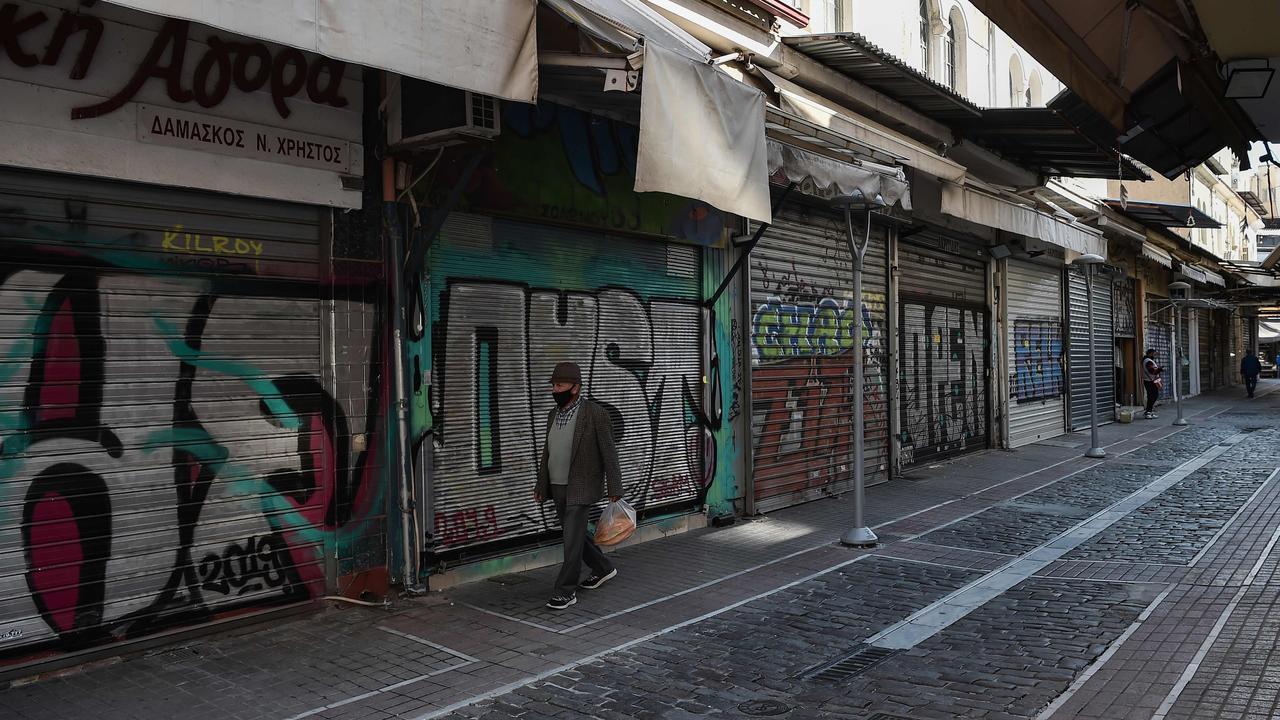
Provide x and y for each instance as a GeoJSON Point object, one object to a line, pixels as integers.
{"type": "Point", "coordinates": [241, 139]}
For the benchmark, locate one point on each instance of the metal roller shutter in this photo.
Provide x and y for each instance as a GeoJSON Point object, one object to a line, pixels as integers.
{"type": "Point", "coordinates": [1078, 350]}
{"type": "Point", "coordinates": [802, 339]}
{"type": "Point", "coordinates": [1160, 339]}
{"type": "Point", "coordinates": [166, 432]}
{"type": "Point", "coordinates": [943, 339]}
{"type": "Point", "coordinates": [1037, 406]}
{"type": "Point", "coordinates": [1204, 348]}
{"type": "Point", "coordinates": [507, 302]}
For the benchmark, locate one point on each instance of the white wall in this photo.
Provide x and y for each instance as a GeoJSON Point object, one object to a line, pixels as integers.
{"type": "Point", "coordinates": [894, 26]}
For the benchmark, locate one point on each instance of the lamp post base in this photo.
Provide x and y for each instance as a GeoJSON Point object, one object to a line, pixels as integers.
{"type": "Point", "coordinates": [859, 538]}
{"type": "Point", "coordinates": [1096, 452]}
{"type": "Point", "coordinates": [1180, 421]}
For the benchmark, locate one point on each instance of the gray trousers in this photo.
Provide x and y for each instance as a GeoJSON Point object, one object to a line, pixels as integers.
{"type": "Point", "coordinates": [579, 547]}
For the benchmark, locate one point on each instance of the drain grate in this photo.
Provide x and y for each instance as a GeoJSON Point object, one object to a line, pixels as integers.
{"type": "Point", "coordinates": [886, 716]}
{"type": "Point", "coordinates": [852, 666]}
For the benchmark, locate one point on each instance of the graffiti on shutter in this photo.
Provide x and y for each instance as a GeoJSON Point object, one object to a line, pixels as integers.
{"type": "Point", "coordinates": [944, 395]}
{"type": "Point", "coordinates": [1037, 344]}
{"type": "Point", "coordinates": [169, 450]}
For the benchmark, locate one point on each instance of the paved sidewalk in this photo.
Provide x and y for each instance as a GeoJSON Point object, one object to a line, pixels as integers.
{"type": "Point", "coordinates": [1143, 563]}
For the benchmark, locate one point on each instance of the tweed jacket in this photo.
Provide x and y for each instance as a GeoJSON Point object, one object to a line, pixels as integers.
{"type": "Point", "coordinates": [593, 460]}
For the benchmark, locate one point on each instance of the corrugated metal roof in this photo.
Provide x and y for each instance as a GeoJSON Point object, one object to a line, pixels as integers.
{"type": "Point", "coordinates": [1043, 140]}
{"type": "Point", "coordinates": [1036, 138]}
{"type": "Point", "coordinates": [1164, 215]}
{"type": "Point", "coordinates": [861, 59]}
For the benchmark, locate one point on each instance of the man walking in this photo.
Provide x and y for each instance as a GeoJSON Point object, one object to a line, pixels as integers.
{"type": "Point", "coordinates": [1151, 382]}
{"type": "Point", "coordinates": [1250, 368]}
{"type": "Point", "coordinates": [578, 459]}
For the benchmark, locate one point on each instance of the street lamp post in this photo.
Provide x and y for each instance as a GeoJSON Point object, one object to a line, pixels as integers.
{"type": "Point", "coordinates": [1090, 263]}
{"type": "Point", "coordinates": [859, 535]}
{"type": "Point", "coordinates": [1178, 286]}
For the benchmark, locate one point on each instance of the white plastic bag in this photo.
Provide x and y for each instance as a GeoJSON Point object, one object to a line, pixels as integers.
{"type": "Point", "coordinates": [616, 523]}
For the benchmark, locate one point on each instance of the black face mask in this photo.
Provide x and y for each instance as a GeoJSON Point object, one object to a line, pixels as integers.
{"type": "Point", "coordinates": [563, 397]}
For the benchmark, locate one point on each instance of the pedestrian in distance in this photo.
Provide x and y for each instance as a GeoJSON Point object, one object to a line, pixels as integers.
{"type": "Point", "coordinates": [1152, 382]}
{"type": "Point", "coordinates": [578, 461]}
{"type": "Point", "coordinates": [1250, 368]}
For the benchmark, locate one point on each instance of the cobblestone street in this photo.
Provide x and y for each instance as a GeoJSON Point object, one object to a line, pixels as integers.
{"type": "Point", "coordinates": [1031, 584]}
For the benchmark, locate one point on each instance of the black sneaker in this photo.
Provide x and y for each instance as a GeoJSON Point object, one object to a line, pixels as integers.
{"type": "Point", "coordinates": [560, 602]}
{"type": "Point", "coordinates": [596, 581]}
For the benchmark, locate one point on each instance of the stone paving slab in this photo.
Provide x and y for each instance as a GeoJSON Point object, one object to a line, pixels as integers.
{"type": "Point", "coordinates": [658, 600]}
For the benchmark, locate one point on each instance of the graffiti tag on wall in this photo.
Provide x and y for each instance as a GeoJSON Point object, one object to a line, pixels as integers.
{"type": "Point", "coordinates": [1037, 358]}
{"type": "Point", "coordinates": [497, 346]}
{"type": "Point", "coordinates": [802, 389]}
{"type": "Point", "coordinates": [165, 442]}
{"type": "Point", "coordinates": [560, 164]}
{"type": "Point", "coordinates": [944, 398]}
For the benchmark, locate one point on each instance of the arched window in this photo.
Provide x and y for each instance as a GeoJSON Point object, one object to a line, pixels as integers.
{"type": "Point", "coordinates": [924, 36]}
{"type": "Point", "coordinates": [956, 70]}
{"type": "Point", "coordinates": [1035, 90]}
{"type": "Point", "coordinates": [1017, 88]}
{"type": "Point", "coordinates": [949, 58]}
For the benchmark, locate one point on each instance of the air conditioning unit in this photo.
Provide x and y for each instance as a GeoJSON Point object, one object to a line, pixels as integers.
{"type": "Point", "coordinates": [424, 115]}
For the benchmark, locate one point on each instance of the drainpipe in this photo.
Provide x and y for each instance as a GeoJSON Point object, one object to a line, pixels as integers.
{"type": "Point", "coordinates": [894, 355]}
{"type": "Point", "coordinates": [405, 503]}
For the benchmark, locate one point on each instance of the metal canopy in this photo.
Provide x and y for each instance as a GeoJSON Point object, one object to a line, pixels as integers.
{"type": "Point", "coordinates": [1043, 140]}
{"type": "Point", "coordinates": [862, 60]}
{"type": "Point", "coordinates": [1175, 132]}
{"type": "Point", "coordinates": [1165, 215]}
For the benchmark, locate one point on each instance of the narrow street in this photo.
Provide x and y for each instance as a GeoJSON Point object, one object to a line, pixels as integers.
{"type": "Point", "coordinates": [1028, 584]}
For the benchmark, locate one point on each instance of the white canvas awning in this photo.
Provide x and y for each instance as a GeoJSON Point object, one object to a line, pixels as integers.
{"type": "Point", "coordinates": [489, 47]}
{"type": "Point", "coordinates": [1213, 278]}
{"type": "Point", "coordinates": [816, 109]}
{"type": "Point", "coordinates": [1157, 255]}
{"type": "Point", "coordinates": [1194, 273]}
{"type": "Point", "coordinates": [826, 177]}
{"type": "Point", "coordinates": [983, 209]}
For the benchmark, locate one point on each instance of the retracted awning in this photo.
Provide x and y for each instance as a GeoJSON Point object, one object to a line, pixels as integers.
{"type": "Point", "coordinates": [1157, 255]}
{"type": "Point", "coordinates": [489, 47]}
{"type": "Point", "coordinates": [982, 208]}
{"type": "Point", "coordinates": [1193, 273]}
{"type": "Point", "coordinates": [826, 177]}
{"type": "Point", "coordinates": [1213, 278]}
{"type": "Point", "coordinates": [813, 108]}
{"type": "Point", "coordinates": [702, 132]}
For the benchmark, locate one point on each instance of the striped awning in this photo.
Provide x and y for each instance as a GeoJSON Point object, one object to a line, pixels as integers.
{"type": "Point", "coordinates": [1157, 255]}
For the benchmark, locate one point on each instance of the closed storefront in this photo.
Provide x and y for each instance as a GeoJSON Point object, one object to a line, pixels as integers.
{"type": "Point", "coordinates": [506, 301]}
{"type": "Point", "coordinates": [179, 445]}
{"type": "Point", "coordinates": [1037, 403]}
{"type": "Point", "coordinates": [1127, 387]}
{"type": "Point", "coordinates": [173, 450]}
{"type": "Point", "coordinates": [803, 336]}
{"type": "Point", "coordinates": [1079, 336]}
{"type": "Point", "coordinates": [944, 345]}
{"type": "Point", "coordinates": [1205, 349]}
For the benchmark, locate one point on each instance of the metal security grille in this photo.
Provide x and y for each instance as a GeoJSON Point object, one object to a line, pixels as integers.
{"type": "Point", "coordinates": [1160, 339]}
{"type": "Point", "coordinates": [944, 344]}
{"type": "Point", "coordinates": [169, 446]}
{"type": "Point", "coordinates": [507, 301]}
{"type": "Point", "coordinates": [1037, 382]}
{"type": "Point", "coordinates": [1123, 299]}
{"type": "Point", "coordinates": [1078, 349]}
{"type": "Point", "coordinates": [803, 335]}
